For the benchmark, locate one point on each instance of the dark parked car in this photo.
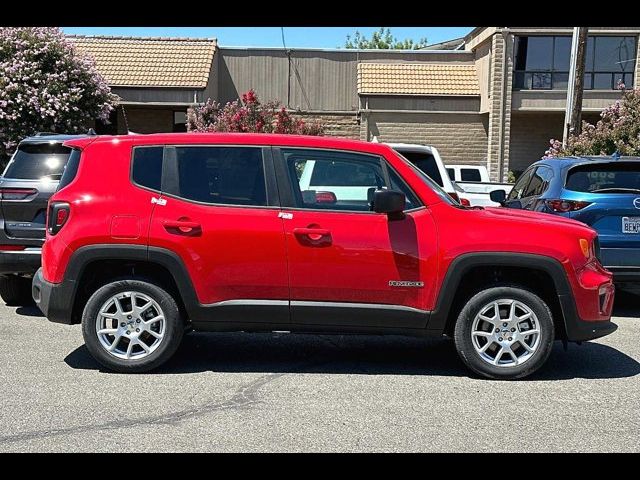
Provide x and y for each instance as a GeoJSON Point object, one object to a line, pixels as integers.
{"type": "Point", "coordinates": [601, 191]}
{"type": "Point", "coordinates": [30, 178]}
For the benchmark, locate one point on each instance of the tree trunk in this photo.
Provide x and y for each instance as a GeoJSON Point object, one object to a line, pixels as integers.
{"type": "Point", "coordinates": [575, 121]}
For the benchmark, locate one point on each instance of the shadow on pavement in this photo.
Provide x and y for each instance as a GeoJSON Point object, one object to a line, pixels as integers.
{"type": "Point", "coordinates": [627, 303]}
{"type": "Point", "coordinates": [369, 355]}
{"type": "Point", "coordinates": [29, 311]}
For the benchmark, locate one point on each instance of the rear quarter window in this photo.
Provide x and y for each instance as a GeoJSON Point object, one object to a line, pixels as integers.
{"type": "Point", "coordinates": [614, 177]}
{"type": "Point", "coordinates": [147, 167]}
{"type": "Point", "coordinates": [470, 175]}
{"type": "Point", "coordinates": [38, 161]}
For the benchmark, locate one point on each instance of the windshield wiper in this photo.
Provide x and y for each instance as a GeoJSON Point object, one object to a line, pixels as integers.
{"type": "Point", "coordinates": [616, 190]}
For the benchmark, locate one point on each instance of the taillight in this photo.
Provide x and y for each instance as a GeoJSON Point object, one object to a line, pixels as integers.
{"type": "Point", "coordinates": [11, 248]}
{"type": "Point", "coordinates": [464, 202]}
{"type": "Point", "coordinates": [16, 193]}
{"type": "Point", "coordinates": [57, 216]}
{"type": "Point", "coordinates": [326, 197]}
{"type": "Point", "coordinates": [564, 206]}
{"type": "Point", "coordinates": [455, 197]}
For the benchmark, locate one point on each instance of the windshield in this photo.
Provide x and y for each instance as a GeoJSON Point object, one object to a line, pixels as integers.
{"type": "Point", "coordinates": [430, 183]}
{"type": "Point", "coordinates": [614, 177]}
{"type": "Point", "coordinates": [38, 162]}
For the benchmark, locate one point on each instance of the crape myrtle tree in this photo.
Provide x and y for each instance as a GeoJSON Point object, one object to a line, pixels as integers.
{"type": "Point", "coordinates": [618, 130]}
{"type": "Point", "coordinates": [46, 85]}
{"type": "Point", "coordinates": [250, 115]}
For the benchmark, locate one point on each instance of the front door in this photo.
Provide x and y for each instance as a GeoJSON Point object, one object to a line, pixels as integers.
{"type": "Point", "coordinates": [218, 214]}
{"type": "Point", "coordinates": [349, 266]}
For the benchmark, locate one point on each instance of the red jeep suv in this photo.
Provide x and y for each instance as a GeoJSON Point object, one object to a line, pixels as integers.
{"type": "Point", "coordinates": [149, 236]}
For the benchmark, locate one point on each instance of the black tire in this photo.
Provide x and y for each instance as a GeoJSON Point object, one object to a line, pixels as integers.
{"type": "Point", "coordinates": [173, 333]}
{"type": "Point", "coordinates": [15, 290]}
{"type": "Point", "coordinates": [472, 358]}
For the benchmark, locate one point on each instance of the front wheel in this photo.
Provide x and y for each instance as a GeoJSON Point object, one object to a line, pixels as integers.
{"type": "Point", "coordinates": [132, 326]}
{"type": "Point", "coordinates": [504, 332]}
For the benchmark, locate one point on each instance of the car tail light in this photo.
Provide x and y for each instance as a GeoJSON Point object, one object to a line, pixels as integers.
{"type": "Point", "coordinates": [326, 197]}
{"type": "Point", "coordinates": [454, 196]}
{"type": "Point", "coordinates": [57, 216]}
{"type": "Point", "coordinates": [11, 248]}
{"type": "Point", "coordinates": [16, 193]}
{"type": "Point", "coordinates": [464, 202]}
{"type": "Point", "coordinates": [564, 206]}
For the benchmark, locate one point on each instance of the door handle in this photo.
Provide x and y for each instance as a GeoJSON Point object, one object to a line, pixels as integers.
{"type": "Point", "coordinates": [313, 234]}
{"type": "Point", "coordinates": [183, 226]}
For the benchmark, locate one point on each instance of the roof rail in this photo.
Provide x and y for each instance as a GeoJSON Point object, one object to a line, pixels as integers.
{"type": "Point", "coordinates": [44, 134]}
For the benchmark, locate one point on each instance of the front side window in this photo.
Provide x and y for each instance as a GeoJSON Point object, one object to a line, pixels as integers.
{"type": "Point", "coordinates": [542, 62]}
{"type": "Point", "coordinates": [329, 180]}
{"type": "Point", "coordinates": [518, 189]}
{"type": "Point", "coordinates": [221, 175]}
{"type": "Point", "coordinates": [539, 182]}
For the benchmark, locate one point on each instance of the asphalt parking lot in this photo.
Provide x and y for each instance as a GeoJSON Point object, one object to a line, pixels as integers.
{"type": "Point", "coordinates": [235, 392]}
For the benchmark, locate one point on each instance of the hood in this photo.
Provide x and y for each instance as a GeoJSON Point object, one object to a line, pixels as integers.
{"type": "Point", "coordinates": [533, 217]}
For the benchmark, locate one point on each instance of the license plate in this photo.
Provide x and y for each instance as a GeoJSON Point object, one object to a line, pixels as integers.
{"type": "Point", "coordinates": [630, 224]}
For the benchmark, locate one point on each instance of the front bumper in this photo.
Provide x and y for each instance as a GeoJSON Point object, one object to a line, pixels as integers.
{"type": "Point", "coordinates": [587, 312]}
{"type": "Point", "coordinates": [24, 262]}
{"type": "Point", "coordinates": [55, 300]}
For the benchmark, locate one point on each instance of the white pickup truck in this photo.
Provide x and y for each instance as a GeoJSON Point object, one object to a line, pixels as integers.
{"type": "Point", "coordinates": [474, 181]}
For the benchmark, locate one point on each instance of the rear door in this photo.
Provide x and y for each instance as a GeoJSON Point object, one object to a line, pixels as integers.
{"type": "Point", "coordinates": [29, 180]}
{"type": "Point", "coordinates": [220, 213]}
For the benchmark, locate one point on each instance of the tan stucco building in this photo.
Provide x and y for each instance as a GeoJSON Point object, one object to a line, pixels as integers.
{"type": "Point", "coordinates": [494, 97]}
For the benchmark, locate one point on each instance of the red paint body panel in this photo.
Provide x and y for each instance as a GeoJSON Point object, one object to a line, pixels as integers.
{"type": "Point", "coordinates": [252, 253]}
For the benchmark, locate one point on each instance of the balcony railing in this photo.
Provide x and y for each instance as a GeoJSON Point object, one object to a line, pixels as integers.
{"type": "Point", "coordinates": [557, 80]}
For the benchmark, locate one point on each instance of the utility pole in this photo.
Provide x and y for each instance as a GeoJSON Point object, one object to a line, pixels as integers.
{"type": "Point", "coordinates": [575, 87]}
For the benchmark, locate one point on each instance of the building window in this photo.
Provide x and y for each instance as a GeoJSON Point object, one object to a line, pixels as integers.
{"type": "Point", "coordinates": [179, 121]}
{"type": "Point", "coordinates": [542, 62]}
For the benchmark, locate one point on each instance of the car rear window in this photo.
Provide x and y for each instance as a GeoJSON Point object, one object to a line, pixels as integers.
{"type": "Point", "coordinates": [38, 161]}
{"type": "Point", "coordinates": [470, 175]}
{"type": "Point", "coordinates": [614, 177]}
{"type": "Point", "coordinates": [425, 162]}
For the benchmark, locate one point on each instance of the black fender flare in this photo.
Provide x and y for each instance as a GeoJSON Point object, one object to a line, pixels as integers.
{"type": "Point", "coordinates": [464, 263]}
{"type": "Point", "coordinates": [172, 262]}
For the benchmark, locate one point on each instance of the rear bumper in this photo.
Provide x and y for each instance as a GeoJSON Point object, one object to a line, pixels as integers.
{"type": "Point", "coordinates": [25, 262]}
{"type": "Point", "coordinates": [624, 263]}
{"type": "Point", "coordinates": [55, 300]}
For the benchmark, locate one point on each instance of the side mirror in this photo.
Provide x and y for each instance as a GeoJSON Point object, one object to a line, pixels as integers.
{"type": "Point", "coordinates": [390, 202]}
{"type": "Point", "coordinates": [498, 196]}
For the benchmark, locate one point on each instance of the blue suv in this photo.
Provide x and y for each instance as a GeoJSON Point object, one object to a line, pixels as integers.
{"type": "Point", "coordinates": [601, 191]}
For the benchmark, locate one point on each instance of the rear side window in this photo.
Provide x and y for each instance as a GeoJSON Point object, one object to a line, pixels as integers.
{"type": "Point", "coordinates": [147, 167]}
{"type": "Point", "coordinates": [39, 161]}
{"type": "Point", "coordinates": [71, 169]}
{"type": "Point", "coordinates": [615, 177]}
{"type": "Point", "coordinates": [222, 175]}
{"type": "Point", "coordinates": [425, 162]}
{"type": "Point", "coordinates": [470, 175]}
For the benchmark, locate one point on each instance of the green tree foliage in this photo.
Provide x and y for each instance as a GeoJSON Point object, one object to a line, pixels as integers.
{"type": "Point", "coordinates": [382, 40]}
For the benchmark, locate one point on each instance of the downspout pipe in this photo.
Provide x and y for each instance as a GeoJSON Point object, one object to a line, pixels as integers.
{"type": "Point", "coordinates": [503, 94]}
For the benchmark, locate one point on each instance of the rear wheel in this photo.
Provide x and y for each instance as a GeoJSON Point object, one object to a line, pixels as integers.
{"type": "Point", "coordinates": [15, 290]}
{"type": "Point", "coordinates": [132, 326]}
{"type": "Point", "coordinates": [504, 332]}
